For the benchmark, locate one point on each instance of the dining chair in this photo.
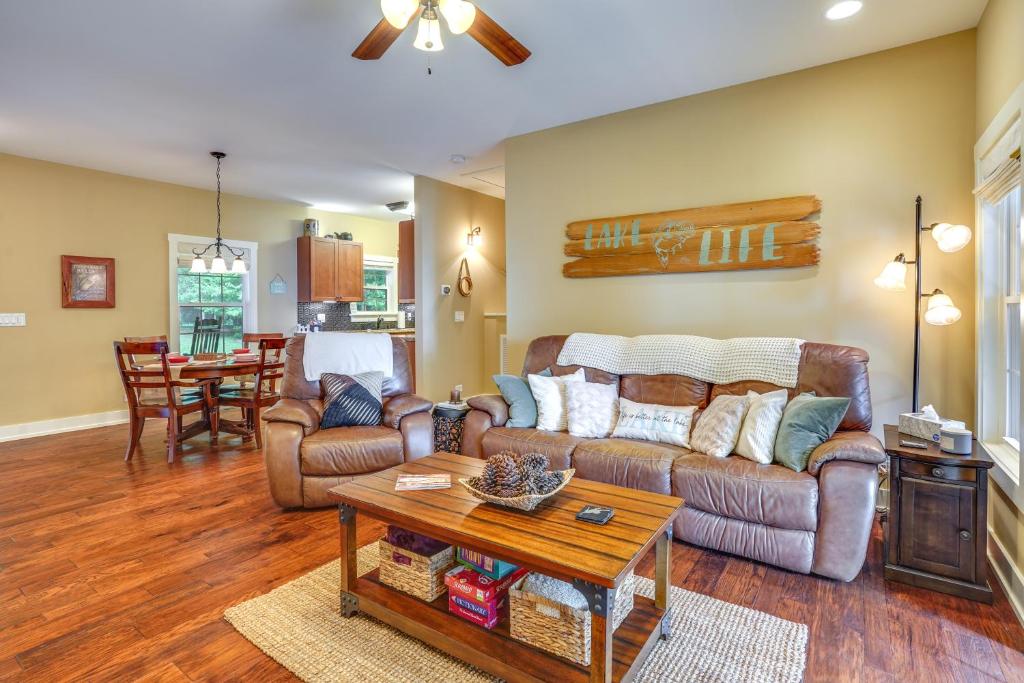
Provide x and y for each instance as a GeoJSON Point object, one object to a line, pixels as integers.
{"type": "Point", "coordinates": [247, 339]}
{"type": "Point", "coordinates": [133, 362]}
{"type": "Point", "coordinates": [264, 393]}
{"type": "Point", "coordinates": [205, 335]}
{"type": "Point", "coordinates": [167, 403]}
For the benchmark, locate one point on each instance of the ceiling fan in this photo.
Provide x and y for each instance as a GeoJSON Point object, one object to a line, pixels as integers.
{"type": "Point", "coordinates": [461, 17]}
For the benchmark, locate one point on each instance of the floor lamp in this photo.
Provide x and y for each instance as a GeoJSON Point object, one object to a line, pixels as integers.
{"type": "Point", "coordinates": [941, 310]}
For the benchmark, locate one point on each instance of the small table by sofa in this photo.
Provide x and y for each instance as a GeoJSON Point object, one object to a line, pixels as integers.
{"type": "Point", "coordinates": [596, 559]}
{"type": "Point", "coordinates": [936, 533]}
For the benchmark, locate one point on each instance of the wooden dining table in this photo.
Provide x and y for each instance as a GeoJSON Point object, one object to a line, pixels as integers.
{"type": "Point", "coordinates": [218, 370]}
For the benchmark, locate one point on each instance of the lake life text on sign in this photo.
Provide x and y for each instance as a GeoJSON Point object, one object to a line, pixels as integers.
{"type": "Point", "coordinates": [752, 235]}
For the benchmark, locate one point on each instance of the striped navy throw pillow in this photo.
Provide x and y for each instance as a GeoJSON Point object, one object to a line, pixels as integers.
{"type": "Point", "coordinates": [351, 400]}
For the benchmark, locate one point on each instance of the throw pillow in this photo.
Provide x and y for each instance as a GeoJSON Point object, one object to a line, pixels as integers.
{"type": "Point", "coordinates": [761, 426]}
{"type": "Point", "coordinates": [352, 400]}
{"type": "Point", "coordinates": [808, 422]}
{"type": "Point", "coordinates": [719, 426]}
{"type": "Point", "coordinates": [652, 422]}
{"type": "Point", "coordinates": [522, 408]}
{"type": "Point", "coordinates": [593, 408]}
{"type": "Point", "coordinates": [549, 393]}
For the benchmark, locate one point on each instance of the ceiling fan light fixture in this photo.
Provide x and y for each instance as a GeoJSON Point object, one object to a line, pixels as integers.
{"type": "Point", "coordinates": [398, 12]}
{"type": "Point", "coordinates": [428, 33]}
{"type": "Point", "coordinates": [458, 13]}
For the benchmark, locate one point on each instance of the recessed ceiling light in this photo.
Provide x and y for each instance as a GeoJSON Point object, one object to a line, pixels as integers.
{"type": "Point", "coordinates": [457, 158]}
{"type": "Point", "coordinates": [844, 9]}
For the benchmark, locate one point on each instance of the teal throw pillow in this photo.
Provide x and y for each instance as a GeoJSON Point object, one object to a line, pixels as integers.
{"type": "Point", "coordinates": [807, 422]}
{"type": "Point", "coordinates": [522, 407]}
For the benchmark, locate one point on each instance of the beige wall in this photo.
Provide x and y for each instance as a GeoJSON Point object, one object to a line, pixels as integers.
{"type": "Point", "coordinates": [1000, 57]}
{"type": "Point", "coordinates": [61, 364]}
{"type": "Point", "coordinates": [1000, 67]}
{"type": "Point", "coordinates": [859, 134]}
{"type": "Point", "coordinates": [447, 352]}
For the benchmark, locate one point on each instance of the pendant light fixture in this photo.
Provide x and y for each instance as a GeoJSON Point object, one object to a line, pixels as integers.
{"type": "Point", "coordinates": [218, 265]}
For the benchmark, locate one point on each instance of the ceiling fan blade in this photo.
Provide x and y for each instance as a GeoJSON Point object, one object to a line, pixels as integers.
{"type": "Point", "coordinates": [377, 41]}
{"type": "Point", "coordinates": [497, 40]}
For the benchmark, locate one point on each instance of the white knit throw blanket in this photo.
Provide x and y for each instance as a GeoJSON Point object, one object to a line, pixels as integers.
{"type": "Point", "coordinates": [775, 360]}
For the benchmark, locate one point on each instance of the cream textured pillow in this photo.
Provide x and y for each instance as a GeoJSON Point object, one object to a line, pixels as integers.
{"type": "Point", "coordinates": [651, 422]}
{"type": "Point", "coordinates": [549, 392]}
{"type": "Point", "coordinates": [761, 425]}
{"type": "Point", "coordinates": [593, 408]}
{"type": "Point", "coordinates": [719, 426]}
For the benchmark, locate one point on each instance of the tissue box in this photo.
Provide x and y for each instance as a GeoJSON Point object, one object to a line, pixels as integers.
{"type": "Point", "coordinates": [917, 424]}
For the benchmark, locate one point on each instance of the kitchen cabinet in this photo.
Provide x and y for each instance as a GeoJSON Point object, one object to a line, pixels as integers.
{"type": "Point", "coordinates": [407, 262]}
{"type": "Point", "coordinates": [329, 269]}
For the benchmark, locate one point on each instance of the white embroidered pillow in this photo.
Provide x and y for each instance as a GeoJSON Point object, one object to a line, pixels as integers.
{"type": "Point", "coordinates": [719, 425]}
{"type": "Point", "coordinates": [593, 408]}
{"type": "Point", "coordinates": [761, 425]}
{"type": "Point", "coordinates": [651, 422]}
{"type": "Point", "coordinates": [549, 393]}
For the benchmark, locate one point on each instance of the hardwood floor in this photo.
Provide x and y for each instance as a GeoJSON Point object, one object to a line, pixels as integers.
{"type": "Point", "coordinates": [115, 571]}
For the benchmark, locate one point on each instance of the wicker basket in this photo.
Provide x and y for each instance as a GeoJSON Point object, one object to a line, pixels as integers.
{"type": "Point", "coordinates": [527, 503]}
{"type": "Point", "coordinates": [418, 575]}
{"type": "Point", "coordinates": [557, 628]}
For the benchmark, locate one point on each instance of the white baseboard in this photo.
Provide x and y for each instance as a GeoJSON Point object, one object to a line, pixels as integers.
{"type": "Point", "coordinates": [27, 430]}
{"type": "Point", "coordinates": [1008, 574]}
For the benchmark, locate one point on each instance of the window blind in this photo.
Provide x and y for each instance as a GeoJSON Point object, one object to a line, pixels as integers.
{"type": "Point", "coordinates": [998, 183]}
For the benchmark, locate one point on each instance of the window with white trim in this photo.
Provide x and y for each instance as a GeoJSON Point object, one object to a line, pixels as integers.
{"type": "Point", "coordinates": [380, 289]}
{"type": "Point", "coordinates": [228, 298]}
{"type": "Point", "coordinates": [999, 281]}
{"type": "Point", "coordinates": [1005, 218]}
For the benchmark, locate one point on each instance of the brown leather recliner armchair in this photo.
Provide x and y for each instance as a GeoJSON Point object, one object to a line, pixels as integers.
{"type": "Point", "coordinates": [304, 461]}
{"type": "Point", "coordinates": [814, 521]}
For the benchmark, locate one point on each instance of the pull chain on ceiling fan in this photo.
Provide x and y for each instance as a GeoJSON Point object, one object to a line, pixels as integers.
{"type": "Point", "coordinates": [460, 15]}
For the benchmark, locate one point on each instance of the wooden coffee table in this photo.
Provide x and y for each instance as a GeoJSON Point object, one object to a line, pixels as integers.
{"type": "Point", "coordinates": [550, 540]}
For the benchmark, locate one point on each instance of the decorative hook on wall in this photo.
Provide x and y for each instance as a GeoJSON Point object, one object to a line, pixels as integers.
{"type": "Point", "coordinates": [465, 282]}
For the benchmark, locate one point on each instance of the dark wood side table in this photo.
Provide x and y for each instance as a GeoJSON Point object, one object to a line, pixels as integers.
{"type": "Point", "coordinates": [936, 534]}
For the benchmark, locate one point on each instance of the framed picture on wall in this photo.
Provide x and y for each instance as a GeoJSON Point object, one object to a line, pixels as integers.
{"type": "Point", "coordinates": [86, 282]}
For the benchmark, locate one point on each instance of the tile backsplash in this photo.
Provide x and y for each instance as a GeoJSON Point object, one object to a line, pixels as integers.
{"type": "Point", "coordinates": [339, 317]}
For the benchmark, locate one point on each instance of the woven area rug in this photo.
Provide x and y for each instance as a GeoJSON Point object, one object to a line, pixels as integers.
{"type": "Point", "coordinates": [298, 625]}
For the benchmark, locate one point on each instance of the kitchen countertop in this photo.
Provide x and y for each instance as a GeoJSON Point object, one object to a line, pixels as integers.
{"type": "Point", "coordinates": [395, 330]}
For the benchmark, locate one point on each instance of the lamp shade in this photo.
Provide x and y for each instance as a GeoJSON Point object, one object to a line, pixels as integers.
{"type": "Point", "coordinates": [458, 13]}
{"type": "Point", "coordinates": [951, 237]}
{"type": "Point", "coordinates": [941, 310]}
{"type": "Point", "coordinates": [198, 265]}
{"type": "Point", "coordinates": [428, 35]}
{"type": "Point", "coordinates": [398, 12]}
{"type": "Point", "coordinates": [893, 277]}
{"type": "Point", "coordinates": [238, 267]}
{"type": "Point", "coordinates": [218, 265]}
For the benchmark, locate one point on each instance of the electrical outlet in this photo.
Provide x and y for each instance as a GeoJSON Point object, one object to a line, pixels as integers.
{"type": "Point", "coordinates": [321, 317]}
{"type": "Point", "coordinates": [12, 320]}
{"type": "Point", "coordinates": [460, 316]}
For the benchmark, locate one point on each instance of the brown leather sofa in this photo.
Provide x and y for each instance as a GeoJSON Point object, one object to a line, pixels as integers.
{"type": "Point", "coordinates": [303, 461]}
{"type": "Point", "coordinates": [815, 521]}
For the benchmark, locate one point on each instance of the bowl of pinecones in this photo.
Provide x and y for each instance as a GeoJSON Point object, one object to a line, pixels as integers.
{"type": "Point", "coordinates": [517, 481]}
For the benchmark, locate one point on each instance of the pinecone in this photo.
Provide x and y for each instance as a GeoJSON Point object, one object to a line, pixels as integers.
{"type": "Point", "coordinates": [508, 479]}
{"type": "Point", "coordinates": [545, 482]}
{"type": "Point", "coordinates": [533, 464]}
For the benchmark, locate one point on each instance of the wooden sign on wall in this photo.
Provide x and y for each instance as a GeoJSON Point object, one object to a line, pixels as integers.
{"type": "Point", "coordinates": [752, 235]}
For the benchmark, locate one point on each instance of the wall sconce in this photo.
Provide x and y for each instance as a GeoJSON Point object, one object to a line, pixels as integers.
{"type": "Point", "coordinates": [473, 238]}
{"type": "Point", "coordinates": [941, 310]}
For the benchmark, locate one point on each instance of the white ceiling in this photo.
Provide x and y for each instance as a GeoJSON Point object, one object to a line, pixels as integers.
{"type": "Point", "coordinates": [148, 87]}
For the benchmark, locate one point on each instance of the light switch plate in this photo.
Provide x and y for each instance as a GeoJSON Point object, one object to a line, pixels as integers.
{"type": "Point", "coordinates": [460, 316]}
{"type": "Point", "coordinates": [12, 320]}
{"type": "Point", "coordinates": [322, 317]}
